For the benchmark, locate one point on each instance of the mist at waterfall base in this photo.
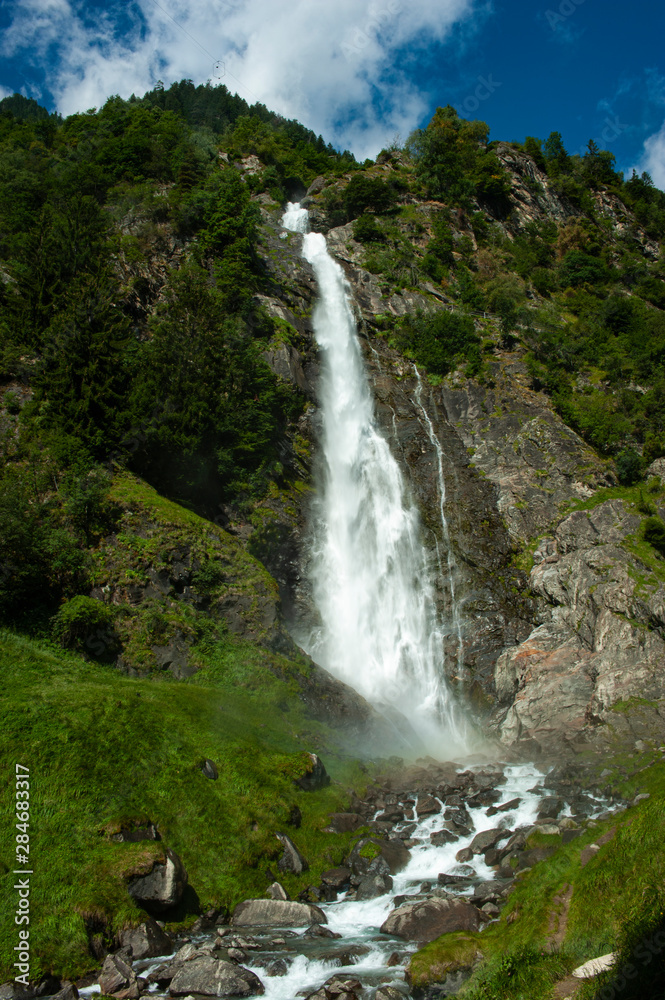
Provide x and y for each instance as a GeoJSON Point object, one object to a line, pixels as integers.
{"type": "Point", "coordinates": [368, 568]}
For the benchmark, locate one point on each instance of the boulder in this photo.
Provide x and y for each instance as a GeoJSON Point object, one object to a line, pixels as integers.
{"type": "Point", "coordinates": [424, 921]}
{"type": "Point", "coordinates": [148, 940]}
{"type": "Point", "coordinates": [427, 806]}
{"type": "Point", "coordinates": [315, 776]}
{"type": "Point", "coordinates": [344, 822]}
{"type": "Point", "coordinates": [15, 991]}
{"type": "Point", "coordinates": [393, 852]}
{"type": "Point", "coordinates": [209, 977]}
{"type": "Point", "coordinates": [442, 837]}
{"type": "Point", "coordinates": [486, 839]}
{"type": "Point", "coordinates": [163, 887]}
{"type": "Point", "coordinates": [68, 992]}
{"type": "Point", "coordinates": [291, 860]}
{"type": "Point", "coordinates": [377, 881]}
{"type": "Point", "coordinates": [277, 913]}
{"type": "Point", "coordinates": [337, 878]}
{"type": "Point", "coordinates": [116, 975]}
{"type": "Point", "coordinates": [277, 891]}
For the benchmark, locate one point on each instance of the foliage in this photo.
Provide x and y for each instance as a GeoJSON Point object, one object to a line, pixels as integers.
{"type": "Point", "coordinates": [654, 533]}
{"type": "Point", "coordinates": [629, 467]}
{"type": "Point", "coordinates": [364, 193]}
{"type": "Point", "coordinates": [367, 230]}
{"type": "Point", "coordinates": [81, 621]}
{"type": "Point", "coordinates": [438, 340]}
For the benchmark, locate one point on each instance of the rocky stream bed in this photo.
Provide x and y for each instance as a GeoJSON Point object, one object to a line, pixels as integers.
{"type": "Point", "coordinates": [440, 847]}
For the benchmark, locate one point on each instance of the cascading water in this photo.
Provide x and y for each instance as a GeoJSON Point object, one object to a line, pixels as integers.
{"type": "Point", "coordinates": [369, 569]}
{"type": "Point", "coordinates": [454, 606]}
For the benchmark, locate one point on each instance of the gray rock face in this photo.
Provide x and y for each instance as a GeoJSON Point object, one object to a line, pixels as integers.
{"type": "Point", "coordinates": [163, 887]}
{"type": "Point", "coordinates": [277, 913]}
{"type": "Point", "coordinates": [604, 640]}
{"type": "Point", "coordinates": [291, 860]}
{"type": "Point", "coordinates": [488, 838]}
{"type": "Point", "coordinates": [209, 977]}
{"type": "Point", "coordinates": [427, 920]}
{"type": "Point", "coordinates": [148, 940]}
{"type": "Point", "coordinates": [377, 881]}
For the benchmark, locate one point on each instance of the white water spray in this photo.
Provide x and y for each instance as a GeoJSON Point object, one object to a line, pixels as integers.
{"type": "Point", "coordinates": [369, 569]}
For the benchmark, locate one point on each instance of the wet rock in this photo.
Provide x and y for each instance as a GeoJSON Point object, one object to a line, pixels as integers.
{"type": "Point", "coordinates": [315, 777]}
{"type": "Point", "coordinates": [442, 837]}
{"type": "Point", "coordinates": [291, 860]}
{"type": "Point", "coordinates": [388, 993]}
{"type": "Point", "coordinates": [454, 880]}
{"type": "Point", "coordinates": [427, 920]}
{"type": "Point", "coordinates": [148, 940]}
{"type": "Point", "coordinates": [210, 977]}
{"type": "Point", "coordinates": [394, 853]}
{"type": "Point", "coordinates": [276, 913]}
{"type": "Point", "coordinates": [488, 838]}
{"type": "Point", "coordinates": [16, 991]}
{"type": "Point", "coordinates": [459, 816]}
{"type": "Point", "coordinates": [505, 807]}
{"type": "Point", "coordinates": [68, 992]}
{"type": "Point", "coordinates": [163, 887]}
{"type": "Point", "coordinates": [427, 806]}
{"type": "Point", "coordinates": [377, 881]}
{"type": "Point", "coordinates": [337, 878]}
{"type": "Point", "coordinates": [116, 975]}
{"type": "Point", "coordinates": [318, 931]}
{"type": "Point", "coordinates": [277, 968]}
{"type": "Point", "coordinates": [465, 854]}
{"type": "Point", "coordinates": [550, 807]}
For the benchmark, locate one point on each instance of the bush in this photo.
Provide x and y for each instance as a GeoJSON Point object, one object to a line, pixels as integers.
{"type": "Point", "coordinates": [439, 340]}
{"type": "Point", "coordinates": [629, 467]}
{"type": "Point", "coordinates": [654, 533]}
{"type": "Point", "coordinates": [86, 625]}
{"type": "Point", "coordinates": [367, 230]}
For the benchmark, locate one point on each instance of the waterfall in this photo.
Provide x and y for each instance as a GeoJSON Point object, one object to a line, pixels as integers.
{"type": "Point", "coordinates": [368, 567]}
{"type": "Point", "coordinates": [434, 441]}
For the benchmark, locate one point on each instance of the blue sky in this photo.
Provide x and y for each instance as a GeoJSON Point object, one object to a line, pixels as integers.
{"type": "Point", "coordinates": [361, 72]}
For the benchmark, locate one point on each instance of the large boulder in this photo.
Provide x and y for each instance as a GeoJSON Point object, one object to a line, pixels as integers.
{"type": "Point", "coordinates": [377, 881]}
{"type": "Point", "coordinates": [291, 860]}
{"type": "Point", "coordinates": [393, 852]}
{"type": "Point", "coordinates": [276, 913]}
{"type": "Point", "coordinates": [116, 975]}
{"type": "Point", "coordinates": [429, 919]}
{"type": "Point", "coordinates": [488, 838]}
{"type": "Point", "coordinates": [315, 776]}
{"type": "Point", "coordinates": [163, 887]}
{"type": "Point", "coordinates": [148, 940]}
{"type": "Point", "coordinates": [209, 977]}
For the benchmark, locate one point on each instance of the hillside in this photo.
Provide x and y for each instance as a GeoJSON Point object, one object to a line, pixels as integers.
{"type": "Point", "coordinates": [159, 432]}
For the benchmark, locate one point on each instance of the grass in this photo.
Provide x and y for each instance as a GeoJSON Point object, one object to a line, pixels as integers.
{"type": "Point", "coordinates": [618, 899]}
{"type": "Point", "coordinates": [104, 748]}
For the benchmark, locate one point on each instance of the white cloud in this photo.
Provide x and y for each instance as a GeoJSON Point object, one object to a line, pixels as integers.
{"type": "Point", "coordinates": [653, 158]}
{"type": "Point", "coordinates": [327, 64]}
{"type": "Point", "coordinates": [5, 92]}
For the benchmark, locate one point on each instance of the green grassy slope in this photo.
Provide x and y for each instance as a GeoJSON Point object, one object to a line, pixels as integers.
{"type": "Point", "coordinates": [103, 748]}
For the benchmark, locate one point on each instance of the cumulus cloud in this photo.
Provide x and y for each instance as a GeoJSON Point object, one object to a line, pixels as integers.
{"type": "Point", "coordinates": [334, 66]}
{"type": "Point", "coordinates": [653, 158]}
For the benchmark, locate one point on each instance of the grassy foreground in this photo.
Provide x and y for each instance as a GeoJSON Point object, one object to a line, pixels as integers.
{"type": "Point", "coordinates": [103, 748]}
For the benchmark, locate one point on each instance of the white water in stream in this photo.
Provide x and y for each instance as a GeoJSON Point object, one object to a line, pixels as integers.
{"type": "Point", "coordinates": [369, 569]}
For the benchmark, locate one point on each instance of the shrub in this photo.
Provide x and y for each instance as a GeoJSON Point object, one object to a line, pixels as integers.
{"type": "Point", "coordinates": [654, 533]}
{"type": "Point", "coordinates": [367, 230]}
{"type": "Point", "coordinates": [86, 625]}
{"type": "Point", "coordinates": [629, 467]}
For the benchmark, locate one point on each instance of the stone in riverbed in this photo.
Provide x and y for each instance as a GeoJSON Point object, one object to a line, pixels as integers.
{"type": "Point", "coordinates": [486, 839]}
{"type": "Point", "coordinates": [377, 881]}
{"type": "Point", "coordinates": [427, 920]}
{"type": "Point", "coordinates": [276, 913]}
{"type": "Point", "coordinates": [148, 940]}
{"type": "Point", "coordinates": [394, 853]}
{"type": "Point", "coordinates": [427, 806]}
{"type": "Point", "coordinates": [116, 975]}
{"type": "Point", "coordinates": [344, 822]}
{"type": "Point", "coordinates": [206, 976]}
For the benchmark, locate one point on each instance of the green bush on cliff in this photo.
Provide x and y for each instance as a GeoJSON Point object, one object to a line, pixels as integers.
{"type": "Point", "coordinates": [438, 341]}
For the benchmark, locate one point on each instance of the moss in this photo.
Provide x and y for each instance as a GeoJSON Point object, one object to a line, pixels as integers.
{"type": "Point", "coordinates": [369, 851]}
